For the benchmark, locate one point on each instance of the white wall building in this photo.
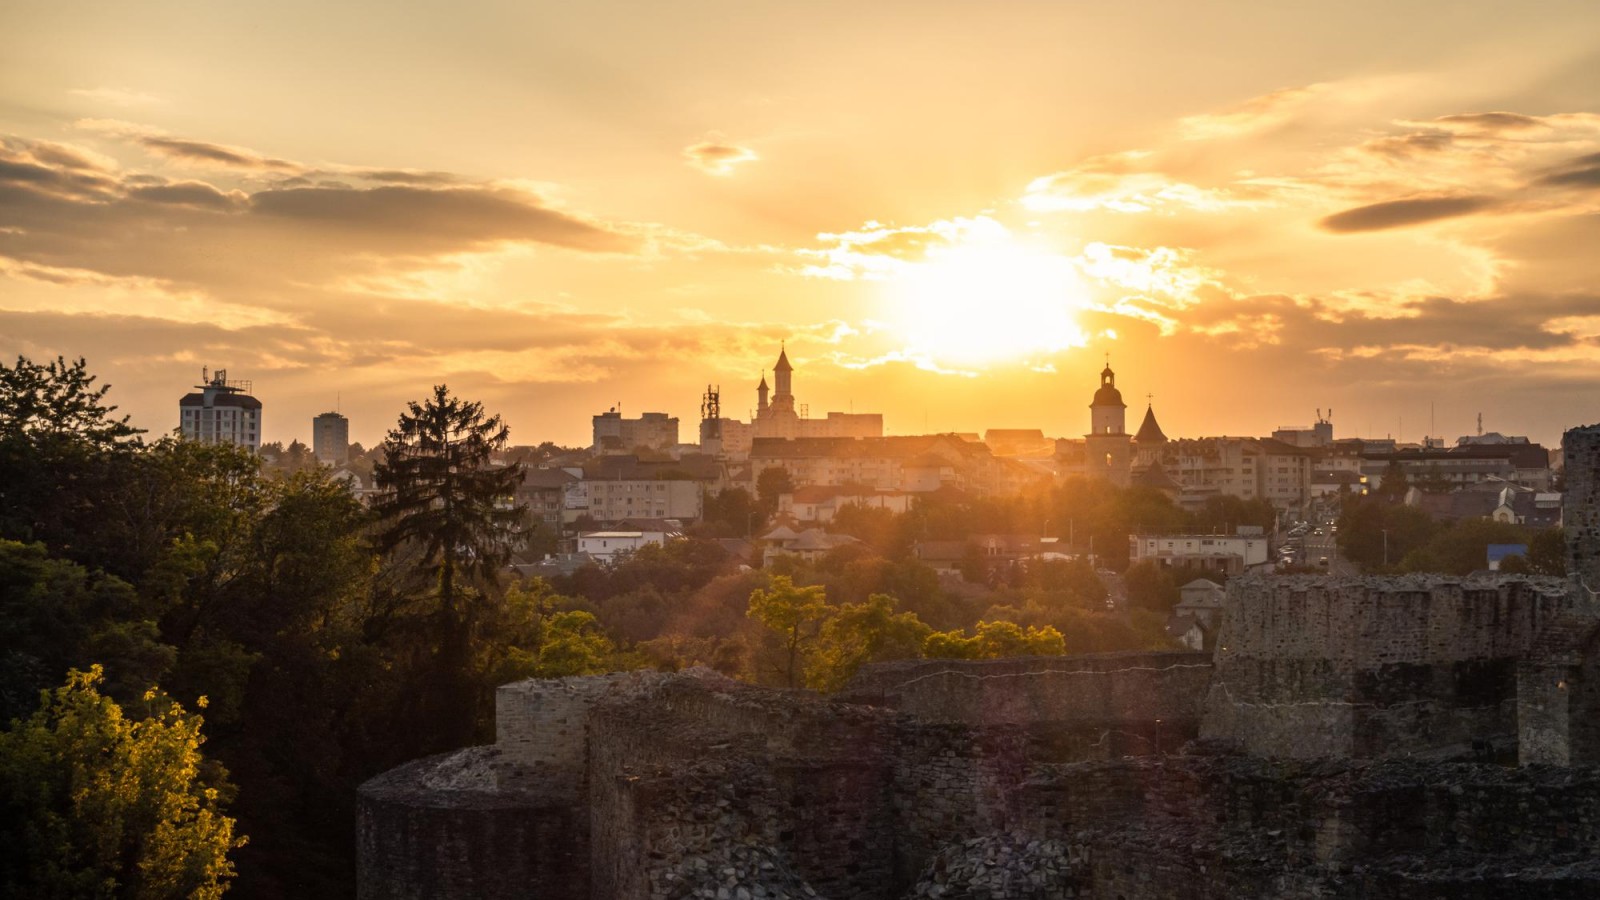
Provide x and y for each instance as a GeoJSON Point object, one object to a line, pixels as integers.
{"type": "Point", "coordinates": [221, 413]}
{"type": "Point", "coordinates": [1222, 552]}
{"type": "Point", "coordinates": [606, 546]}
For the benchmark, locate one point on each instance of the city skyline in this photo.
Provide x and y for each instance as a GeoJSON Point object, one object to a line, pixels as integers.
{"type": "Point", "coordinates": [950, 215]}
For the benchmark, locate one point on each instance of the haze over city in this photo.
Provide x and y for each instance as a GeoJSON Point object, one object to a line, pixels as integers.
{"type": "Point", "coordinates": [949, 212]}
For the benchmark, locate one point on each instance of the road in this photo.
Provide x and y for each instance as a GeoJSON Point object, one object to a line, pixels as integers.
{"type": "Point", "coordinates": [1326, 545]}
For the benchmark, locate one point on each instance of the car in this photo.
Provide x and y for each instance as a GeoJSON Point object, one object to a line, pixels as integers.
{"type": "Point", "coordinates": [1322, 562]}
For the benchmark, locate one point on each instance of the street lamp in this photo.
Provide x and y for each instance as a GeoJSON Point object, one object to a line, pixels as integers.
{"type": "Point", "coordinates": [1385, 546]}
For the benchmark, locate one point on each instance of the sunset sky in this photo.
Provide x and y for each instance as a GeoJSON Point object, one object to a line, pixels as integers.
{"type": "Point", "coordinates": [949, 211]}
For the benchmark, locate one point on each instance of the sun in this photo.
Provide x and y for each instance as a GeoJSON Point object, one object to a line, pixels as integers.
{"type": "Point", "coordinates": [986, 299]}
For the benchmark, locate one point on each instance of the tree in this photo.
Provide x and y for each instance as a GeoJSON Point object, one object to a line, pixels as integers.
{"type": "Point", "coordinates": [1151, 587]}
{"type": "Point", "coordinates": [61, 450]}
{"type": "Point", "coordinates": [444, 500]}
{"type": "Point", "coordinates": [860, 633]}
{"type": "Point", "coordinates": [793, 614]}
{"type": "Point", "coordinates": [771, 484]}
{"type": "Point", "coordinates": [98, 805]}
{"type": "Point", "coordinates": [995, 640]}
{"type": "Point", "coordinates": [1547, 552]}
{"type": "Point", "coordinates": [56, 615]}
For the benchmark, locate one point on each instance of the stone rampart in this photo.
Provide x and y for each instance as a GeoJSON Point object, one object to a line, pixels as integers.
{"type": "Point", "coordinates": [1092, 706]}
{"type": "Point", "coordinates": [1372, 667]}
{"type": "Point", "coordinates": [470, 825]}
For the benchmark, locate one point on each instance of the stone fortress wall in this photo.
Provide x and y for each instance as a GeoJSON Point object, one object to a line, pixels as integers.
{"type": "Point", "coordinates": [1350, 738]}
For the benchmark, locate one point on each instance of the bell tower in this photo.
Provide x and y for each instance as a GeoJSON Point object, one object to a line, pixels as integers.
{"type": "Point", "coordinates": [1108, 447]}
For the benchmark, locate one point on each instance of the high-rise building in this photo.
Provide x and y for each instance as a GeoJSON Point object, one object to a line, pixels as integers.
{"type": "Point", "coordinates": [330, 439]}
{"type": "Point", "coordinates": [220, 412]}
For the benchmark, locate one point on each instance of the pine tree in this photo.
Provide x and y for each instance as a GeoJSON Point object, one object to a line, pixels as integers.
{"type": "Point", "coordinates": [445, 499]}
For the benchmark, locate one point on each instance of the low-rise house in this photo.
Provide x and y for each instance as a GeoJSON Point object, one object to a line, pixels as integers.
{"type": "Point", "coordinates": [820, 503]}
{"type": "Point", "coordinates": [606, 546]}
{"type": "Point", "coordinates": [1231, 554]}
{"type": "Point", "coordinates": [809, 545]}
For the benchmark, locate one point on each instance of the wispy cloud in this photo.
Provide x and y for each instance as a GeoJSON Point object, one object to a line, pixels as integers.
{"type": "Point", "coordinates": [121, 97]}
{"type": "Point", "coordinates": [716, 156]}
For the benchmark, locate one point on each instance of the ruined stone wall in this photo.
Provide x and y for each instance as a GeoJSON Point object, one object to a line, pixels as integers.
{"type": "Point", "coordinates": [1370, 667]}
{"type": "Point", "coordinates": [469, 826]}
{"type": "Point", "coordinates": [1092, 706]}
{"type": "Point", "coordinates": [690, 770]}
{"type": "Point", "coordinates": [1580, 505]}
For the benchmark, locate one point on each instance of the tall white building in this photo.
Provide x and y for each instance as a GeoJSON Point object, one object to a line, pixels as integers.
{"type": "Point", "coordinates": [330, 439]}
{"type": "Point", "coordinates": [221, 413]}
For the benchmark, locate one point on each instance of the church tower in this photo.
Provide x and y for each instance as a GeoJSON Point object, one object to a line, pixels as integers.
{"type": "Point", "coordinates": [782, 395]}
{"type": "Point", "coordinates": [1109, 450]}
{"type": "Point", "coordinates": [761, 394]}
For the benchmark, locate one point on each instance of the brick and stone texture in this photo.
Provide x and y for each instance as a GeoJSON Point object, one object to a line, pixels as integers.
{"type": "Point", "coordinates": [1373, 667]}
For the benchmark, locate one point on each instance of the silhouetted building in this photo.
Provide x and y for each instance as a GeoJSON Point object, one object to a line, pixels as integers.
{"type": "Point", "coordinates": [221, 413]}
{"type": "Point", "coordinates": [330, 439]}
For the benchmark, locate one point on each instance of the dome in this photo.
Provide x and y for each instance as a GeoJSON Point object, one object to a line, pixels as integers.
{"type": "Point", "coordinates": [1108, 395]}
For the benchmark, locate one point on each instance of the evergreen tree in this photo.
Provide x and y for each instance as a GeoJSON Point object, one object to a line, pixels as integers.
{"type": "Point", "coordinates": [445, 501]}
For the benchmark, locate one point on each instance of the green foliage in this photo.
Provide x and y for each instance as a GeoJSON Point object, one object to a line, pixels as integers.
{"type": "Point", "coordinates": [574, 645]}
{"type": "Point", "coordinates": [733, 513]}
{"type": "Point", "coordinates": [61, 453]}
{"type": "Point", "coordinates": [793, 615]}
{"type": "Point", "coordinates": [1151, 587]}
{"type": "Point", "coordinates": [1371, 528]}
{"type": "Point", "coordinates": [995, 640]}
{"type": "Point", "coordinates": [859, 633]}
{"type": "Point", "coordinates": [442, 494]}
{"type": "Point", "coordinates": [56, 615]}
{"type": "Point", "coordinates": [1547, 552]}
{"type": "Point", "coordinates": [99, 805]}
{"type": "Point", "coordinates": [770, 485]}
{"type": "Point", "coordinates": [1462, 547]}
{"type": "Point", "coordinates": [445, 502]}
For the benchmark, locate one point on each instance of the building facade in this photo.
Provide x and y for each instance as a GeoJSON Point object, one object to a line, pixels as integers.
{"type": "Point", "coordinates": [330, 439]}
{"type": "Point", "coordinates": [221, 413]}
{"type": "Point", "coordinates": [614, 434]}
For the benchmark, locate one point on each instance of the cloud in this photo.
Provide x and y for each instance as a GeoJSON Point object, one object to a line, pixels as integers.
{"type": "Point", "coordinates": [1253, 115]}
{"type": "Point", "coordinates": [1410, 211]}
{"type": "Point", "coordinates": [1582, 172]}
{"type": "Point", "coordinates": [215, 154]}
{"type": "Point", "coordinates": [1123, 183]}
{"type": "Point", "coordinates": [453, 217]}
{"type": "Point", "coordinates": [189, 193]}
{"type": "Point", "coordinates": [122, 97]}
{"type": "Point", "coordinates": [1491, 121]}
{"type": "Point", "coordinates": [715, 156]}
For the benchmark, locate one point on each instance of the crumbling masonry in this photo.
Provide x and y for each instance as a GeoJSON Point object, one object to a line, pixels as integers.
{"type": "Point", "coordinates": [1418, 737]}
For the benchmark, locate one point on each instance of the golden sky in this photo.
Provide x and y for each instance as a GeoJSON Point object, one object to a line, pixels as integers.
{"type": "Point", "coordinates": [949, 210]}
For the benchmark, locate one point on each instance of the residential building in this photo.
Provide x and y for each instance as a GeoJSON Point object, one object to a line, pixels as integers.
{"type": "Point", "coordinates": [619, 487]}
{"type": "Point", "coordinates": [544, 493]}
{"type": "Point", "coordinates": [614, 434]}
{"type": "Point", "coordinates": [1316, 436]}
{"type": "Point", "coordinates": [1247, 468]}
{"type": "Point", "coordinates": [330, 439]}
{"type": "Point", "coordinates": [608, 546]}
{"type": "Point", "coordinates": [1231, 554]}
{"type": "Point", "coordinates": [1527, 465]}
{"type": "Point", "coordinates": [219, 412]}
{"type": "Point", "coordinates": [820, 503]}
